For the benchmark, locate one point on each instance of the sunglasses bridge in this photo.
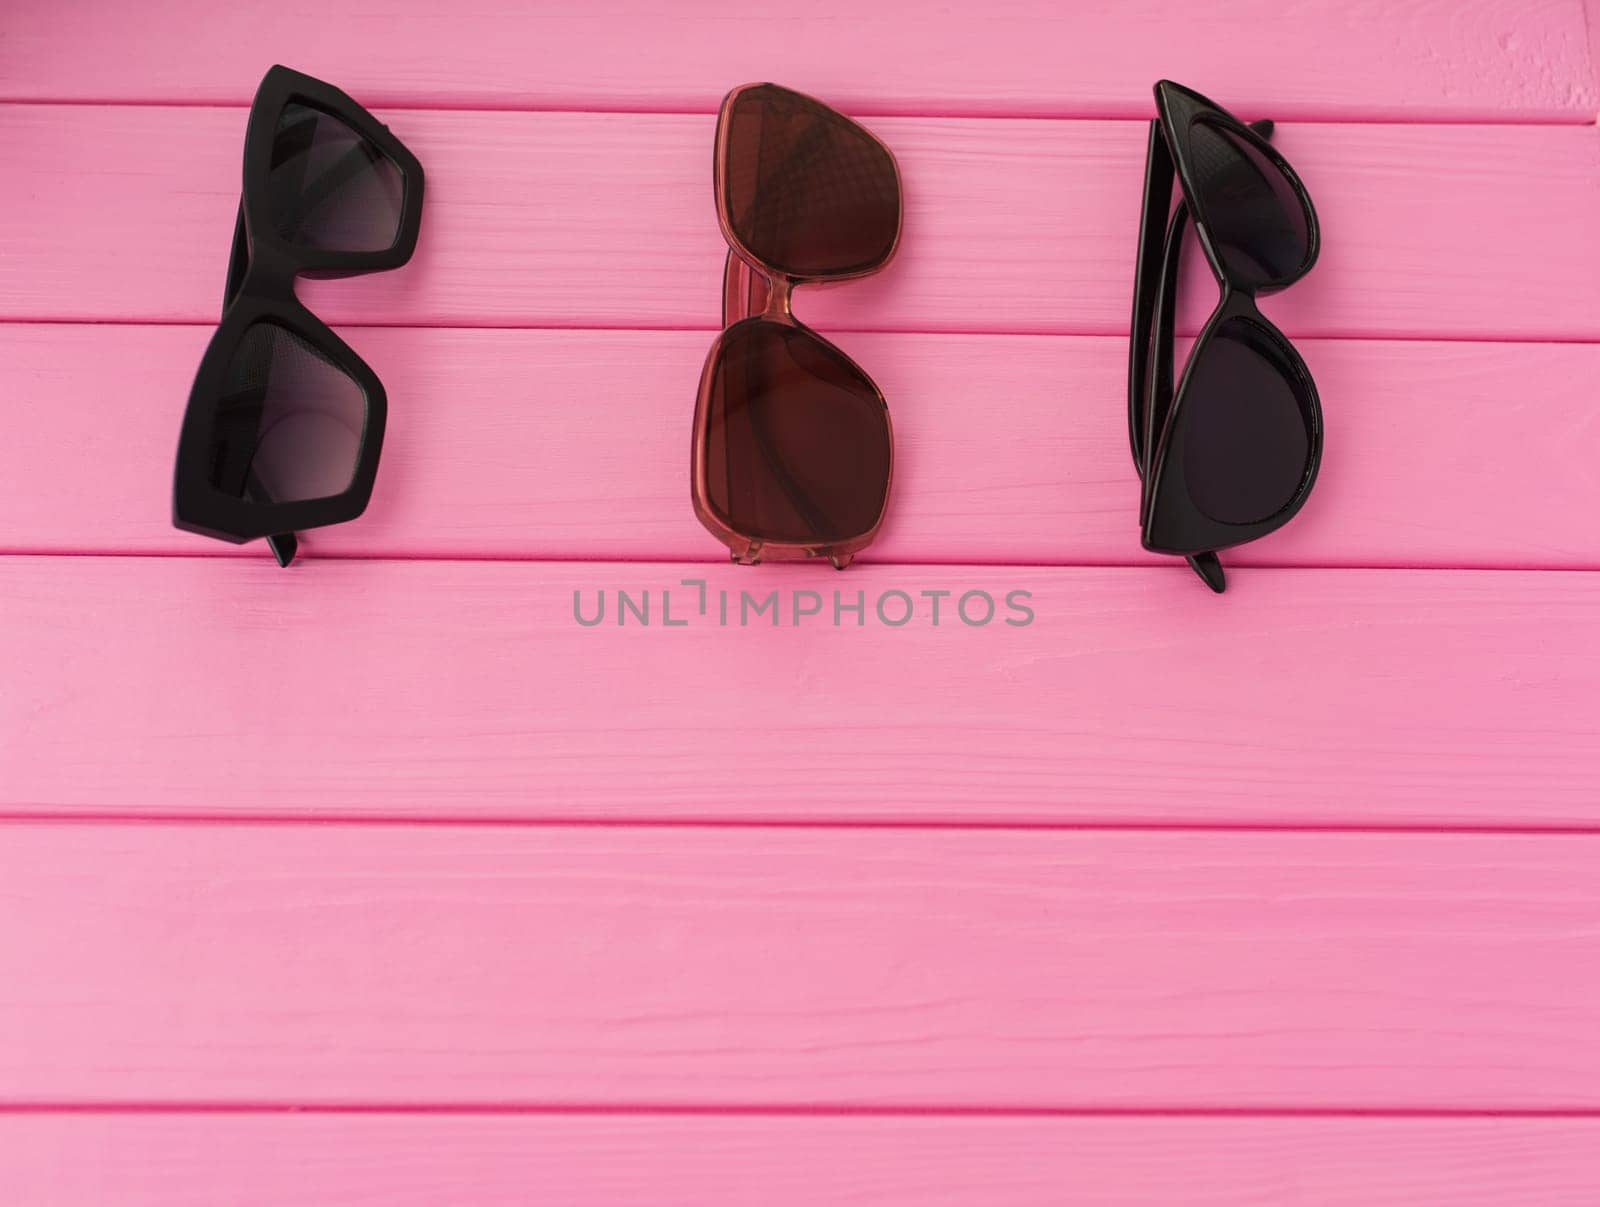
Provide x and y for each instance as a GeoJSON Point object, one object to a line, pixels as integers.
{"type": "Point", "coordinates": [748, 292]}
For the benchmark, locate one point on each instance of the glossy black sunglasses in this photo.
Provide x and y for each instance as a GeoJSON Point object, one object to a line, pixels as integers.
{"type": "Point", "coordinates": [285, 421]}
{"type": "Point", "coordinates": [1231, 453]}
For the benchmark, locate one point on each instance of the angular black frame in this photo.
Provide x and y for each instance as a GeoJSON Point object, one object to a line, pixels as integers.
{"type": "Point", "coordinates": [1169, 520]}
{"type": "Point", "coordinates": [260, 287]}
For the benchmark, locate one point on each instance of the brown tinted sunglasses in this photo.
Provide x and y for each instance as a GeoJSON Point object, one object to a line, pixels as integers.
{"type": "Point", "coordinates": [792, 448]}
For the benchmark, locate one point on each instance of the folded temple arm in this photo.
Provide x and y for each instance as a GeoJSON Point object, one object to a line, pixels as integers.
{"type": "Point", "coordinates": [1153, 335]}
{"type": "Point", "coordinates": [296, 199]}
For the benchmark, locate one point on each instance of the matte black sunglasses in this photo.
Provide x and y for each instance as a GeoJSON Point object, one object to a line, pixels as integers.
{"type": "Point", "coordinates": [285, 422]}
{"type": "Point", "coordinates": [1230, 454]}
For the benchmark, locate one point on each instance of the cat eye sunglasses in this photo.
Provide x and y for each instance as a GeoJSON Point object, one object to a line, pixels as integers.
{"type": "Point", "coordinates": [285, 421]}
{"type": "Point", "coordinates": [792, 451]}
{"type": "Point", "coordinates": [1231, 452]}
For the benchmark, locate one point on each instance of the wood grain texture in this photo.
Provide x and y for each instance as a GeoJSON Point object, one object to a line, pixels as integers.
{"type": "Point", "coordinates": [582, 220]}
{"type": "Point", "coordinates": [450, 689]}
{"type": "Point", "coordinates": [236, 875]}
{"type": "Point", "coordinates": [1591, 20]}
{"type": "Point", "coordinates": [587, 966]}
{"type": "Point", "coordinates": [573, 444]}
{"type": "Point", "coordinates": [1520, 59]}
{"type": "Point", "coordinates": [730, 1161]}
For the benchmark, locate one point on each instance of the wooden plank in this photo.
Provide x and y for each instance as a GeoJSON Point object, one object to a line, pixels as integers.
{"type": "Point", "coordinates": [567, 967]}
{"type": "Point", "coordinates": [1521, 59]}
{"type": "Point", "coordinates": [580, 219]}
{"type": "Point", "coordinates": [1591, 20]}
{"type": "Point", "coordinates": [450, 689]}
{"type": "Point", "coordinates": [573, 444]}
{"type": "Point", "coordinates": [725, 1161]}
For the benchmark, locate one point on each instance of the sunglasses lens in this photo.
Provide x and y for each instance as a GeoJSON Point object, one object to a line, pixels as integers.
{"type": "Point", "coordinates": [797, 438]}
{"type": "Point", "coordinates": [1247, 439]}
{"type": "Point", "coordinates": [289, 424]}
{"type": "Point", "coordinates": [331, 189]}
{"type": "Point", "coordinates": [1256, 218]}
{"type": "Point", "coordinates": [806, 191]}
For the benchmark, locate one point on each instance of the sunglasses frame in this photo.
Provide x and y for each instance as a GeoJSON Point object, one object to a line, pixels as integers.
{"type": "Point", "coordinates": [1170, 521]}
{"type": "Point", "coordinates": [754, 291]}
{"type": "Point", "coordinates": [260, 288]}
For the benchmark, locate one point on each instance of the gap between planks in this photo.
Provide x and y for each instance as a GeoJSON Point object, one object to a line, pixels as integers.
{"type": "Point", "coordinates": [1351, 117]}
{"type": "Point", "coordinates": [842, 1110]}
{"type": "Point", "coordinates": [1042, 331]}
{"type": "Point", "coordinates": [1158, 562]}
{"type": "Point", "coordinates": [1108, 825]}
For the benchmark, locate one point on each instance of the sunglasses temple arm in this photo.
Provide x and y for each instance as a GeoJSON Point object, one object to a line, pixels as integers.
{"type": "Point", "coordinates": [1158, 177]}
{"type": "Point", "coordinates": [1154, 289]}
{"type": "Point", "coordinates": [284, 545]}
{"type": "Point", "coordinates": [1207, 565]}
{"type": "Point", "coordinates": [239, 260]}
{"type": "Point", "coordinates": [1159, 399]}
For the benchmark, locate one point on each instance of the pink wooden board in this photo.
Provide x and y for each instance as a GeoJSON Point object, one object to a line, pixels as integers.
{"type": "Point", "coordinates": [497, 1160]}
{"type": "Point", "coordinates": [581, 219]}
{"type": "Point", "coordinates": [503, 444]}
{"type": "Point", "coordinates": [1365, 59]}
{"type": "Point", "coordinates": [720, 967]}
{"type": "Point", "coordinates": [467, 689]}
{"type": "Point", "coordinates": [1162, 899]}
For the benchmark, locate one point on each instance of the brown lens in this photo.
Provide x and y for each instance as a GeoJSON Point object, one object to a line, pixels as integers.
{"type": "Point", "coordinates": [796, 438]}
{"type": "Point", "coordinates": [805, 190]}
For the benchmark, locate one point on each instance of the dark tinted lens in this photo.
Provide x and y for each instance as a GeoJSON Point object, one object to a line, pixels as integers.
{"type": "Point", "coordinates": [797, 441]}
{"type": "Point", "coordinates": [331, 189]}
{"type": "Point", "coordinates": [1247, 437]}
{"type": "Point", "coordinates": [806, 190]}
{"type": "Point", "coordinates": [289, 424]}
{"type": "Point", "coordinates": [1254, 215]}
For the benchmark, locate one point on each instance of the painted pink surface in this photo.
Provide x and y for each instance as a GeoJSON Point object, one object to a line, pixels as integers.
{"type": "Point", "coordinates": [467, 689]}
{"type": "Point", "coordinates": [1249, 1006]}
{"type": "Point", "coordinates": [581, 219]}
{"type": "Point", "coordinates": [716, 966]}
{"type": "Point", "coordinates": [1427, 59]}
{"type": "Point", "coordinates": [502, 444]}
{"type": "Point", "coordinates": [496, 1160]}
